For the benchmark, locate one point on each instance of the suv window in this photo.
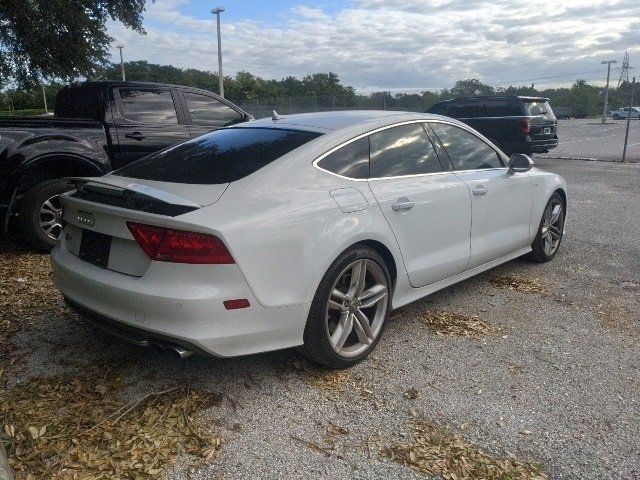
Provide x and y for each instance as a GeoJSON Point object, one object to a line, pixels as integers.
{"type": "Point", "coordinates": [221, 156]}
{"type": "Point", "coordinates": [148, 106]}
{"type": "Point", "coordinates": [209, 111]}
{"type": "Point", "coordinates": [463, 110]}
{"type": "Point", "coordinates": [467, 152]}
{"type": "Point", "coordinates": [402, 150]}
{"type": "Point", "coordinates": [351, 161]}
{"type": "Point", "coordinates": [539, 108]}
{"type": "Point", "coordinates": [502, 108]}
{"type": "Point", "coordinates": [439, 108]}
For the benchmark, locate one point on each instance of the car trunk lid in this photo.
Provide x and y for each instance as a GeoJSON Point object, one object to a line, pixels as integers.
{"type": "Point", "coordinates": [542, 120]}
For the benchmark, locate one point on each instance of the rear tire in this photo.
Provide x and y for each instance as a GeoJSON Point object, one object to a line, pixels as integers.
{"type": "Point", "coordinates": [41, 214]}
{"type": "Point", "coordinates": [616, 117]}
{"type": "Point", "coordinates": [550, 231]}
{"type": "Point", "coordinates": [336, 334]}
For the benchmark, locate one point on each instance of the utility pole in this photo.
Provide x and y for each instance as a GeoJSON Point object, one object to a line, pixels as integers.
{"type": "Point", "coordinates": [121, 46]}
{"type": "Point", "coordinates": [626, 135]}
{"type": "Point", "coordinates": [606, 90]}
{"type": "Point", "coordinates": [217, 11]}
{"type": "Point", "coordinates": [44, 97]}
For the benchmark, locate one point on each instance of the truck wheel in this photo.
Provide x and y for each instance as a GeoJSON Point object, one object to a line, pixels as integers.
{"type": "Point", "coordinates": [616, 116]}
{"type": "Point", "coordinates": [41, 214]}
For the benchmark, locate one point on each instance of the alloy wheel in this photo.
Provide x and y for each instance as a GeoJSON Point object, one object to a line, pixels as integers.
{"type": "Point", "coordinates": [552, 226]}
{"type": "Point", "coordinates": [50, 217]}
{"type": "Point", "coordinates": [356, 308]}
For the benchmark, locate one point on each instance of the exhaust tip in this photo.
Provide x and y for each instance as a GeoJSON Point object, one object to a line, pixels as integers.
{"type": "Point", "coordinates": [180, 352]}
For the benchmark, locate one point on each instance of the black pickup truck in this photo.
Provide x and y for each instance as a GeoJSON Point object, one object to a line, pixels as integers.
{"type": "Point", "coordinates": [97, 127]}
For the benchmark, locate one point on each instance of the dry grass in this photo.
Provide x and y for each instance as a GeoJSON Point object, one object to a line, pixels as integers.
{"type": "Point", "coordinates": [77, 427]}
{"type": "Point", "coordinates": [335, 381]}
{"type": "Point", "coordinates": [519, 284]}
{"type": "Point", "coordinates": [455, 324]}
{"type": "Point", "coordinates": [436, 453]}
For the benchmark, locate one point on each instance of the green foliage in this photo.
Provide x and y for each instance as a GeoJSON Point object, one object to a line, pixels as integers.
{"type": "Point", "coordinates": [62, 39]}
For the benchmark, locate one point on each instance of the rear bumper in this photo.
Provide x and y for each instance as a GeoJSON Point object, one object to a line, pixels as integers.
{"type": "Point", "coordinates": [531, 146]}
{"type": "Point", "coordinates": [179, 304]}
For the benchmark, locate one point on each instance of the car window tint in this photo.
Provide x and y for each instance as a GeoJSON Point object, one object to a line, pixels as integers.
{"type": "Point", "coordinates": [148, 106]}
{"type": "Point", "coordinates": [502, 108]}
{"type": "Point", "coordinates": [402, 150]}
{"type": "Point", "coordinates": [539, 108]}
{"type": "Point", "coordinates": [208, 111]}
{"type": "Point", "coordinates": [467, 152]}
{"type": "Point", "coordinates": [439, 108]}
{"type": "Point", "coordinates": [221, 156]}
{"type": "Point", "coordinates": [351, 161]}
{"type": "Point", "coordinates": [462, 110]}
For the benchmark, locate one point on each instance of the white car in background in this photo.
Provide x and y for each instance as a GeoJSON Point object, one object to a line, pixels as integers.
{"type": "Point", "coordinates": [633, 112]}
{"type": "Point", "coordinates": [302, 230]}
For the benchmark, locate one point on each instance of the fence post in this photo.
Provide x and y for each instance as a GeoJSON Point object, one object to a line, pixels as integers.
{"type": "Point", "coordinates": [44, 97]}
{"type": "Point", "coordinates": [626, 135]}
{"type": "Point", "coordinates": [289, 104]}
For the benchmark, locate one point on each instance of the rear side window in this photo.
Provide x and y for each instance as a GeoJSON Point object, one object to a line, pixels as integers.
{"type": "Point", "coordinates": [402, 150]}
{"type": "Point", "coordinates": [79, 102]}
{"type": "Point", "coordinates": [467, 152]}
{"type": "Point", "coordinates": [502, 108]}
{"type": "Point", "coordinates": [463, 110]}
{"type": "Point", "coordinates": [351, 161]}
{"type": "Point", "coordinates": [210, 112]}
{"type": "Point", "coordinates": [539, 108]}
{"type": "Point", "coordinates": [148, 106]}
{"type": "Point", "coordinates": [222, 156]}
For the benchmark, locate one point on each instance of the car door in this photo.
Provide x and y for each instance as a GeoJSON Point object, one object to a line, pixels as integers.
{"type": "Point", "coordinates": [206, 113]}
{"type": "Point", "coordinates": [146, 121]}
{"type": "Point", "coordinates": [501, 201]}
{"type": "Point", "coordinates": [427, 206]}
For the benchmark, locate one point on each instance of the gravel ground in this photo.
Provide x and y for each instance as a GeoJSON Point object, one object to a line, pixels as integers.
{"type": "Point", "coordinates": [559, 385]}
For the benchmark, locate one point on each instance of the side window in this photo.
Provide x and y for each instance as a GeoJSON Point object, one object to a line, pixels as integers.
{"type": "Point", "coordinates": [210, 112]}
{"type": "Point", "coordinates": [402, 150]}
{"type": "Point", "coordinates": [462, 110]}
{"type": "Point", "coordinates": [467, 152]}
{"type": "Point", "coordinates": [351, 161]}
{"type": "Point", "coordinates": [439, 108]}
{"type": "Point", "coordinates": [148, 106]}
{"type": "Point", "coordinates": [503, 108]}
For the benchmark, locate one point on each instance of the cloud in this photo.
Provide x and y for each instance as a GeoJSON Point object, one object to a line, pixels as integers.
{"type": "Point", "coordinates": [391, 44]}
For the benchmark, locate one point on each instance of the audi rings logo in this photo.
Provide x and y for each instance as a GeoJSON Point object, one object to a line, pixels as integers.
{"type": "Point", "coordinates": [86, 218]}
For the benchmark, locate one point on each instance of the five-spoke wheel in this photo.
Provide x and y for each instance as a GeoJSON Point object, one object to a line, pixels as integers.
{"type": "Point", "coordinates": [349, 310]}
{"type": "Point", "coordinates": [549, 236]}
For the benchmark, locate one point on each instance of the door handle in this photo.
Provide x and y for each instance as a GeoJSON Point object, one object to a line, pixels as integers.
{"type": "Point", "coordinates": [402, 204]}
{"type": "Point", "coordinates": [479, 190]}
{"type": "Point", "coordinates": [135, 136]}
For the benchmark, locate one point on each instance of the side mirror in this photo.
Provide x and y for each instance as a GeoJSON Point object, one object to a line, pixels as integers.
{"type": "Point", "coordinates": [520, 163]}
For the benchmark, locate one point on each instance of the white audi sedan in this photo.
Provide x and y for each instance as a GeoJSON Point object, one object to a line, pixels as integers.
{"type": "Point", "coordinates": [298, 231]}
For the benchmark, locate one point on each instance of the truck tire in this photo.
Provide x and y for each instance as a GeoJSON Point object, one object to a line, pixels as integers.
{"type": "Point", "coordinates": [40, 214]}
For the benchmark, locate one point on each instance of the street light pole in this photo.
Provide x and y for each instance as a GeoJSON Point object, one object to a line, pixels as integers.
{"type": "Point", "coordinates": [121, 46]}
{"type": "Point", "coordinates": [606, 90]}
{"type": "Point", "coordinates": [217, 11]}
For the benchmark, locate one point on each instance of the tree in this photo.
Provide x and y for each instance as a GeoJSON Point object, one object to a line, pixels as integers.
{"type": "Point", "coordinates": [471, 87]}
{"type": "Point", "coordinates": [61, 39]}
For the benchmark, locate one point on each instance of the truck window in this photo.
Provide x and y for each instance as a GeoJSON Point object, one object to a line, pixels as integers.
{"type": "Point", "coordinates": [148, 106]}
{"type": "Point", "coordinates": [210, 112]}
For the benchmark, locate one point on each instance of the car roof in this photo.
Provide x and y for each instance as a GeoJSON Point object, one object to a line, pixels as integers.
{"type": "Point", "coordinates": [337, 120]}
{"type": "Point", "coordinates": [491, 98]}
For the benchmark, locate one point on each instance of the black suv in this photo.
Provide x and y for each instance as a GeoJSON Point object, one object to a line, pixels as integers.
{"type": "Point", "coordinates": [513, 123]}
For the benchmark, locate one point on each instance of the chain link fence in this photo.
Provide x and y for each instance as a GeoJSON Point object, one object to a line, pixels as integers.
{"type": "Point", "coordinates": [578, 105]}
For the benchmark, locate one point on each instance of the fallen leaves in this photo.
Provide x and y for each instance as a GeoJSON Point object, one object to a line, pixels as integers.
{"type": "Point", "coordinates": [436, 453]}
{"type": "Point", "coordinates": [336, 381]}
{"type": "Point", "coordinates": [519, 284]}
{"type": "Point", "coordinates": [455, 324]}
{"type": "Point", "coordinates": [67, 427]}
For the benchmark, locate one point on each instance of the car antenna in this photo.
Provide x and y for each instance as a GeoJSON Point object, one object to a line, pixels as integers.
{"type": "Point", "coordinates": [276, 116]}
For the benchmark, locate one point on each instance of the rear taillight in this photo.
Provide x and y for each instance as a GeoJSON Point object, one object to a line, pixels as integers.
{"type": "Point", "coordinates": [179, 246]}
{"type": "Point", "coordinates": [526, 126]}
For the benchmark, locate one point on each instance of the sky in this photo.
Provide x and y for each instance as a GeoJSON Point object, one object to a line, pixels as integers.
{"type": "Point", "coordinates": [392, 44]}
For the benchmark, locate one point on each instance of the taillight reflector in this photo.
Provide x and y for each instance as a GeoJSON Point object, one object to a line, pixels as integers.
{"type": "Point", "coordinates": [235, 304]}
{"type": "Point", "coordinates": [526, 128]}
{"type": "Point", "coordinates": [179, 246]}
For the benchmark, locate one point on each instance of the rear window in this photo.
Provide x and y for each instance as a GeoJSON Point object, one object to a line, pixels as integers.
{"type": "Point", "coordinates": [222, 156]}
{"type": "Point", "coordinates": [539, 108]}
{"type": "Point", "coordinates": [79, 102]}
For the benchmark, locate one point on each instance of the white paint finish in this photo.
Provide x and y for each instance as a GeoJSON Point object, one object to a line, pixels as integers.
{"type": "Point", "coordinates": [434, 233]}
{"type": "Point", "coordinates": [284, 229]}
{"type": "Point", "coordinates": [349, 199]}
{"type": "Point", "coordinates": [501, 217]}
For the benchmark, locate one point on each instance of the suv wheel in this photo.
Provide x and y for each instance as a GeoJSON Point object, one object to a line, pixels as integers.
{"type": "Point", "coordinates": [41, 214]}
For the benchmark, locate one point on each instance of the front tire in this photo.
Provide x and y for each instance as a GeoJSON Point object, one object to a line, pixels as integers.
{"type": "Point", "coordinates": [549, 236]}
{"type": "Point", "coordinates": [41, 214]}
{"type": "Point", "coordinates": [349, 311]}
